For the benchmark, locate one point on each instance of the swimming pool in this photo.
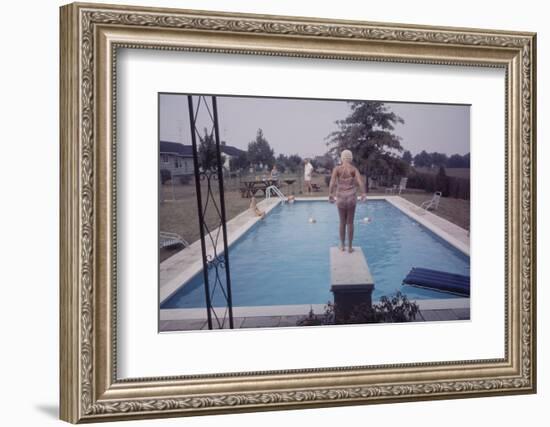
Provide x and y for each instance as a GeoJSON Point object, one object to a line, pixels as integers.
{"type": "Point", "coordinates": [284, 259]}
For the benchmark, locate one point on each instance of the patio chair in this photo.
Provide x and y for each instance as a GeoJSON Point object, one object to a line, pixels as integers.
{"type": "Point", "coordinates": [398, 188]}
{"type": "Point", "coordinates": [169, 240]}
{"type": "Point", "coordinates": [433, 203]}
{"type": "Point", "coordinates": [441, 281]}
{"type": "Point", "coordinates": [390, 190]}
{"type": "Point", "coordinates": [372, 184]}
{"type": "Point", "coordinates": [402, 185]}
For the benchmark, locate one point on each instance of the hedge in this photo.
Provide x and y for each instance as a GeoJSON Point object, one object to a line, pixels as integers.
{"type": "Point", "coordinates": [449, 186]}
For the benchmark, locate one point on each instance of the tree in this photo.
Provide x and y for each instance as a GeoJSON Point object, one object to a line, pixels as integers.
{"type": "Point", "coordinates": [466, 159]}
{"type": "Point", "coordinates": [368, 133]}
{"type": "Point", "coordinates": [208, 158]}
{"type": "Point", "coordinates": [407, 157]}
{"type": "Point", "coordinates": [294, 163]}
{"type": "Point", "coordinates": [439, 159]}
{"type": "Point", "coordinates": [458, 161]}
{"type": "Point", "coordinates": [455, 161]}
{"type": "Point", "coordinates": [239, 162]}
{"type": "Point", "coordinates": [423, 160]}
{"type": "Point", "coordinates": [325, 161]}
{"type": "Point", "coordinates": [442, 182]}
{"type": "Point", "coordinates": [259, 151]}
{"type": "Point", "coordinates": [385, 166]}
{"type": "Point", "coordinates": [281, 162]}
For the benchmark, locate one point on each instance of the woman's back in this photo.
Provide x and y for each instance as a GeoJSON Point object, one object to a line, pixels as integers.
{"type": "Point", "coordinates": [346, 189]}
{"type": "Point", "coordinates": [346, 178]}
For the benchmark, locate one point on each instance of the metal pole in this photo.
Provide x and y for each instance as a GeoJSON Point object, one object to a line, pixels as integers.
{"type": "Point", "coordinates": [199, 205]}
{"type": "Point", "coordinates": [222, 205]}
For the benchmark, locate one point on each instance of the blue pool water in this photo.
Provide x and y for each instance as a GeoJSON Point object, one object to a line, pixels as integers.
{"type": "Point", "coordinates": [283, 259]}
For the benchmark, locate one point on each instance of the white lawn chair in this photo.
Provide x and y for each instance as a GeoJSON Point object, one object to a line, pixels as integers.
{"type": "Point", "coordinates": [390, 190]}
{"type": "Point", "coordinates": [398, 188]}
{"type": "Point", "coordinates": [433, 203]}
{"type": "Point", "coordinates": [402, 185]}
{"type": "Point", "coordinates": [167, 240]}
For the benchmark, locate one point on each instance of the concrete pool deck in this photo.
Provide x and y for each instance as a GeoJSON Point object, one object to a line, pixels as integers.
{"type": "Point", "coordinates": [277, 316]}
{"type": "Point", "coordinates": [182, 266]}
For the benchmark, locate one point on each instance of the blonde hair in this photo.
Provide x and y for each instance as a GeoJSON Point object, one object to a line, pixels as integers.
{"type": "Point", "coordinates": [346, 155]}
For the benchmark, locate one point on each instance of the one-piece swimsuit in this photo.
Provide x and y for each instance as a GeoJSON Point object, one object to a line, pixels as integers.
{"type": "Point", "coordinates": [346, 191]}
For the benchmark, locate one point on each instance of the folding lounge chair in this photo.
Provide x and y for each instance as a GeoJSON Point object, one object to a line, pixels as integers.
{"type": "Point", "coordinates": [433, 203]}
{"type": "Point", "coordinates": [439, 281]}
{"type": "Point", "coordinates": [402, 185]}
{"type": "Point", "coordinates": [168, 240]}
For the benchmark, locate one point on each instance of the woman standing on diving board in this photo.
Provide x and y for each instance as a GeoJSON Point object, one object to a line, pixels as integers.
{"type": "Point", "coordinates": [346, 179]}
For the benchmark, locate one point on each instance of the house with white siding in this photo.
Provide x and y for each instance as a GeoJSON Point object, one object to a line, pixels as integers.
{"type": "Point", "coordinates": [177, 158]}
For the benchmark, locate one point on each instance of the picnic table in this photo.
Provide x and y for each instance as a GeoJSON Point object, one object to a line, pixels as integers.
{"type": "Point", "coordinates": [250, 188]}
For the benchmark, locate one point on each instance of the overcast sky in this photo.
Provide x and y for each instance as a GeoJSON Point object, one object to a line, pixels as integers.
{"type": "Point", "coordinates": [301, 126]}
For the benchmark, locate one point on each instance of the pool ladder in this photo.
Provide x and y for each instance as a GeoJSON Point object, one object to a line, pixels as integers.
{"type": "Point", "coordinates": [277, 192]}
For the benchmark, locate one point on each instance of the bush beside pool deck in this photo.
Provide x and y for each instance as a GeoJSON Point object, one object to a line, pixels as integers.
{"type": "Point", "coordinates": [177, 270]}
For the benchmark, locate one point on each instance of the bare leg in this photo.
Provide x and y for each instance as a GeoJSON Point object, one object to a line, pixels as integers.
{"type": "Point", "coordinates": [342, 214]}
{"type": "Point", "coordinates": [349, 220]}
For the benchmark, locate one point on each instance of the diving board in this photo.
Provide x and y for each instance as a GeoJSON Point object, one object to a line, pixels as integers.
{"type": "Point", "coordinates": [439, 281]}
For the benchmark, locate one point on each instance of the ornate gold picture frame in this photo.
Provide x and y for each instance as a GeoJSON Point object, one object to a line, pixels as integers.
{"type": "Point", "coordinates": [91, 35]}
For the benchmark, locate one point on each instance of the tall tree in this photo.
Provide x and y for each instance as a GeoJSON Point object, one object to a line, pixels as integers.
{"type": "Point", "coordinates": [282, 162]}
{"type": "Point", "coordinates": [294, 163]}
{"type": "Point", "coordinates": [466, 159]}
{"type": "Point", "coordinates": [325, 161]}
{"type": "Point", "coordinates": [259, 151]}
{"type": "Point", "coordinates": [458, 161]}
{"type": "Point", "coordinates": [238, 162]}
{"type": "Point", "coordinates": [423, 160]}
{"type": "Point", "coordinates": [208, 159]}
{"type": "Point", "coordinates": [439, 159]}
{"type": "Point", "coordinates": [368, 133]}
{"type": "Point", "coordinates": [407, 157]}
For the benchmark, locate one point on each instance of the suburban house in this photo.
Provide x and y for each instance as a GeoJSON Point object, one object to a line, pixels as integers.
{"type": "Point", "coordinates": [178, 158]}
{"type": "Point", "coordinates": [230, 152]}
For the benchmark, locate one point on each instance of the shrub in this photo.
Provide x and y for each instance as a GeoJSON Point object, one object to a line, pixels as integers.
{"type": "Point", "coordinates": [312, 319]}
{"type": "Point", "coordinates": [452, 186]}
{"type": "Point", "coordinates": [391, 309]}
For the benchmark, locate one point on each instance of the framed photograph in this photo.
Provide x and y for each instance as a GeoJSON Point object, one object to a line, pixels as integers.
{"type": "Point", "coordinates": [267, 212]}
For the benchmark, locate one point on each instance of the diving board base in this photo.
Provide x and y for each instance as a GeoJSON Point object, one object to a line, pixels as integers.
{"type": "Point", "coordinates": [351, 281]}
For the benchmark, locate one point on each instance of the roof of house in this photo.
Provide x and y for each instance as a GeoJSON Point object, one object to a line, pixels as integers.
{"type": "Point", "coordinates": [187, 151]}
{"type": "Point", "coordinates": [176, 148]}
{"type": "Point", "coordinates": [231, 151]}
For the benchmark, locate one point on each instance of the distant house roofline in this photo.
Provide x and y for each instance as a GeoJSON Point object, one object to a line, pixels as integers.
{"type": "Point", "coordinates": [177, 148]}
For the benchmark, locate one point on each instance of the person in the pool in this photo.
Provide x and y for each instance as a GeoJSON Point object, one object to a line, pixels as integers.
{"type": "Point", "coordinates": [344, 181]}
{"type": "Point", "coordinates": [254, 209]}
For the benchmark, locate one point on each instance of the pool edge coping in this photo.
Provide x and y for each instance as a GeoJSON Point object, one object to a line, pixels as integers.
{"type": "Point", "coordinates": [298, 309]}
{"type": "Point", "coordinates": [443, 229]}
